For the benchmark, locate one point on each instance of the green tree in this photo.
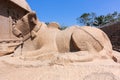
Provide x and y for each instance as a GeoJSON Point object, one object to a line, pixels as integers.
{"type": "Point", "coordinates": [99, 21]}
{"type": "Point", "coordinates": [90, 19]}
{"type": "Point", "coordinates": [46, 23]}
{"type": "Point", "coordinates": [63, 27]}
{"type": "Point", "coordinates": [86, 18]}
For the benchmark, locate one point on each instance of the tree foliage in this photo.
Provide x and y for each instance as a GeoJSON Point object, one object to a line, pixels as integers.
{"type": "Point", "coordinates": [62, 27]}
{"type": "Point", "coordinates": [87, 18]}
{"type": "Point", "coordinates": [90, 19]}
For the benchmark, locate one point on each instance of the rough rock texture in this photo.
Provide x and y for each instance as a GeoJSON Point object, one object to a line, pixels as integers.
{"type": "Point", "coordinates": [22, 3]}
{"type": "Point", "coordinates": [13, 68]}
{"type": "Point", "coordinates": [10, 12]}
{"type": "Point", "coordinates": [57, 55]}
{"type": "Point", "coordinates": [50, 38]}
{"type": "Point", "coordinates": [113, 32]}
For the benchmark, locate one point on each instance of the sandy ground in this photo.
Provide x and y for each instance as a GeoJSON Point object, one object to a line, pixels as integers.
{"type": "Point", "coordinates": [16, 69]}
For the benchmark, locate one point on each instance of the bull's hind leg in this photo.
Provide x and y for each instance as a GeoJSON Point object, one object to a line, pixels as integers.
{"type": "Point", "coordinates": [87, 41]}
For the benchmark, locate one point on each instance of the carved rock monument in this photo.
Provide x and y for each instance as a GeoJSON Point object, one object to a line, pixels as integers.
{"type": "Point", "coordinates": [32, 50]}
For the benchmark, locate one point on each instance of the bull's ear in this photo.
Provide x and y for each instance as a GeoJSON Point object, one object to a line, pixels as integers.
{"type": "Point", "coordinates": [32, 18]}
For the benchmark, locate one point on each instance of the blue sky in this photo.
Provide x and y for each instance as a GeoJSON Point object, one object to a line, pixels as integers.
{"type": "Point", "coordinates": [65, 12]}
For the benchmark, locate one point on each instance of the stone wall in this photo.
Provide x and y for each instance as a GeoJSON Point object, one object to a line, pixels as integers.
{"type": "Point", "coordinates": [9, 14]}
{"type": "Point", "coordinates": [113, 32]}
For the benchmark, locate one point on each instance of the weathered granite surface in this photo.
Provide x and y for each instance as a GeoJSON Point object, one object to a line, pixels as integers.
{"type": "Point", "coordinates": [17, 69]}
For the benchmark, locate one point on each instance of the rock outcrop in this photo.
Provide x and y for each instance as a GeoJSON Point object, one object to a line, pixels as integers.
{"type": "Point", "coordinates": [13, 68]}
{"type": "Point", "coordinates": [113, 32]}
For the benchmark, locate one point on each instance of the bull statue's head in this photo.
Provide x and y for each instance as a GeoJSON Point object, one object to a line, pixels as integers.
{"type": "Point", "coordinates": [25, 25]}
{"type": "Point", "coordinates": [23, 29]}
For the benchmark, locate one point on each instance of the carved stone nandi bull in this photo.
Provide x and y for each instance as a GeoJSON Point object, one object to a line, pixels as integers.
{"type": "Point", "coordinates": [41, 39]}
